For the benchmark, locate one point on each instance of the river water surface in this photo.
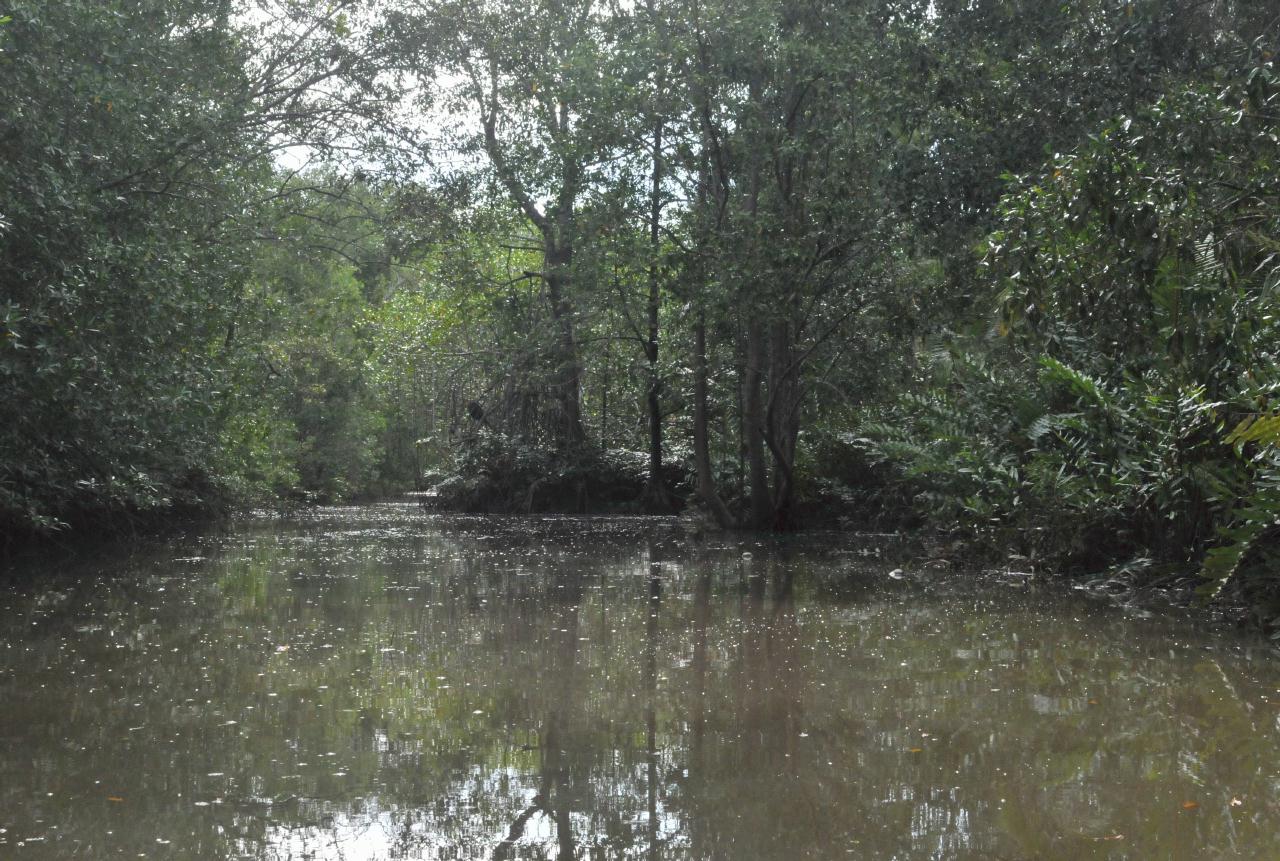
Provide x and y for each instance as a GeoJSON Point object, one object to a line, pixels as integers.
{"type": "Point", "coordinates": [373, 684]}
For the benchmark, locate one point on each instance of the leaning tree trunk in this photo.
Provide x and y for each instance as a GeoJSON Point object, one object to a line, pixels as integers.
{"type": "Point", "coordinates": [556, 226]}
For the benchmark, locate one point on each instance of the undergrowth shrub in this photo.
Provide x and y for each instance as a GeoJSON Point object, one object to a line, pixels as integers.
{"type": "Point", "coordinates": [498, 473]}
{"type": "Point", "coordinates": [1121, 414]}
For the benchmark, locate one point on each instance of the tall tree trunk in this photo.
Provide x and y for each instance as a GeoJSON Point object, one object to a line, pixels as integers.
{"type": "Point", "coordinates": [655, 491]}
{"type": "Point", "coordinates": [706, 483]}
{"type": "Point", "coordinates": [701, 437]}
{"type": "Point", "coordinates": [556, 226]}
{"type": "Point", "coordinates": [604, 406]}
{"type": "Point", "coordinates": [567, 374]}
{"type": "Point", "coordinates": [753, 405]}
{"type": "Point", "coordinates": [783, 419]}
{"type": "Point", "coordinates": [753, 426]}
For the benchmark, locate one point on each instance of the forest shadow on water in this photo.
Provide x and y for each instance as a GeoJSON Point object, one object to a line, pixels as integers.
{"type": "Point", "coordinates": [370, 683]}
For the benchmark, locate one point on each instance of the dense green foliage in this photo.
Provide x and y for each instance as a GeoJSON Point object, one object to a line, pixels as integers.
{"type": "Point", "coordinates": [1120, 412]}
{"type": "Point", "coordinates": [118, 264]}
{"type": "Point", "coordinates": [1008, 270]}
{"type": "Point", "coordinates": [134, 161]}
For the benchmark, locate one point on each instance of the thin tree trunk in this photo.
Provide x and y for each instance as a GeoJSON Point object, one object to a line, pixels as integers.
{"type": "Point", "coordinates": [604, 407]}
{"type": "Point", "coordinates": [656, 491]}
{"type": "Point", "coordinates": [783, 419]}
{"type": "Point", "coordinates": [753, 405]}
{"type": "Point", "coordinates": [701, 440]}
{"type": "Point", "coordinates": [753, 427]}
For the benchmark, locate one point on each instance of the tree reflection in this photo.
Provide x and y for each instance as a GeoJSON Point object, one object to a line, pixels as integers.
{"type": "Point", "coordinates": [769, 672]}
{"type": "Point", "coordinates": [554, 798]}
{"type": "Point", "coordinates": [651, 702]}
{"type": "Point", "coordinates": [564, 610]}
{"type": "Point", "coordinates": [314, 694]}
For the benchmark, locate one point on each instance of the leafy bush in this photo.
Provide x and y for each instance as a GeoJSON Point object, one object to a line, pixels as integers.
{"type": "Point", "coordinates": [494, 472]}
{"type": "Point", "coordinates": [1122, 411]}
{"type": "Point", "coordinates": [119, 257]}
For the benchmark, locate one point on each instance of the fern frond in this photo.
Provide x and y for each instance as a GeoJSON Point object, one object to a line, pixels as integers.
{"type": "Point", "coordinates": [1251, 523]}
{"type": "Point", "coordinates": [1079, 383]}
{"type": "Point", "coordinates": [1261, 429]}
{"type": "Point", "coordinates": [1050, 423]}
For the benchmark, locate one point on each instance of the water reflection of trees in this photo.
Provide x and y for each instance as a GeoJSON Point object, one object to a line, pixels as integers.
{"type": "Point", "coordinates": [484, 700]}
{"type": "Point", "coordinates": [747, 717]}
{"type": "Point", "coordinates": [554, 798]}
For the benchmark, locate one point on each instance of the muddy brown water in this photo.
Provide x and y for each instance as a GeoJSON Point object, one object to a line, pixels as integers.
{"type": "Point", "coordinates": [371, 683]}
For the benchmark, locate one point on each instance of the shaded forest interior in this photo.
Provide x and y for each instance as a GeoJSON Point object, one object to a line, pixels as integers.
{"type": "Point", "coordinates": [1004, 272]}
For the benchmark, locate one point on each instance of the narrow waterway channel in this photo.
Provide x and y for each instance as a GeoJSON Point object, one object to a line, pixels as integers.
{"type": "Point", "coordinates": [369, 683]}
